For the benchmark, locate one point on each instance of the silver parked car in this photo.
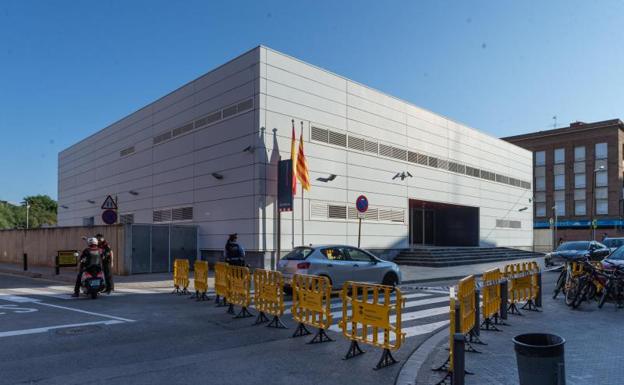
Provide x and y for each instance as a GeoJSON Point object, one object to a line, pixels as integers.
{"type": "Point", "coordinates": [340, 264]}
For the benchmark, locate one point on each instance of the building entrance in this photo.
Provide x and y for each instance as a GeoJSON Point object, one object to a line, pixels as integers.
{"type": "Point", "coordinates": [442, 224]}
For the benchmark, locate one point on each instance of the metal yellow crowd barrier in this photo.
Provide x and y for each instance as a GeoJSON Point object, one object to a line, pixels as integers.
{"type": "Point", "coordinates": [239, 290]}
{"type": "Point", "coordinates": [523, 280]}
{"type": "Point", "coordinates": [491, 301]}
{"type": "Point", "coordinates": [181, 276]}
{"type": "Point", "coordinates": [221, 283]}
{"type": "Point", "coordinates": [462, 321]}
{"type": "Point", "coordinates": [311, 305]}
{"type": "Point", "coordinates": [269, 297]}
{"type": "Point", "coordinates": [374, 318]}
{"type": "Point", "coordinates": [200, 280]}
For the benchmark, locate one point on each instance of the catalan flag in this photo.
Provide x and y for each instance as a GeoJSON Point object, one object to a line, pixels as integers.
{"type": "Point", "coordinates": [302, 165]}
{"type": "Point", "coordinates": [293, 158]}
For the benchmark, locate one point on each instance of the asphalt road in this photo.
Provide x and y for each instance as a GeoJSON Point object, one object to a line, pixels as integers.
{"type": "Point", "coordinates": [153, 337]}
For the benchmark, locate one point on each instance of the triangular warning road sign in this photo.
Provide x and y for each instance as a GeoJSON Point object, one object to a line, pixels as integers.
{"type": "Point", "coordinates": [109, 204]}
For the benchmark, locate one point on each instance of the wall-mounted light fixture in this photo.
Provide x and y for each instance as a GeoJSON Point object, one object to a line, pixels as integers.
{"type": "Point", "coordinates": [65, 206]}
{"type": "Point", "coordinates": [91, 201]}
{"type": "Point", "coordinates": [523, 209]}
{"type": "Point", "coordinates": [217, 175]}
{"type": "Point", "coordinates": [250, 149]}
{"type": "Point", "coordinates": [328, 179]}
{"type": "Point", "coordinates": [402, 175]}
{"type": "Point", "coordinates": [132, 192]}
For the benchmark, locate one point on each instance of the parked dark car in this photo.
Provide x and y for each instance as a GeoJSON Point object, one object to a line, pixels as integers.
{"type": "Point", "coordinates": [613, 243]}
{"type": "Point", "coordinates": [577, 250]}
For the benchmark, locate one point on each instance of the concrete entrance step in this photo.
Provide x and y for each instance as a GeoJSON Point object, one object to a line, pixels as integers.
{"type": "Point", "coordinates": [445, 256]}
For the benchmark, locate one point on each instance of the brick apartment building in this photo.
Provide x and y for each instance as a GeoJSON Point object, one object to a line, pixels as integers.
{"type": "Point", "coordinates": [578, 174]}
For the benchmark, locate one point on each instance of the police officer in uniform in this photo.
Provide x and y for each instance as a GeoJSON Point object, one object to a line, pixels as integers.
{"type": "Point", "coordinates": [234, 252]}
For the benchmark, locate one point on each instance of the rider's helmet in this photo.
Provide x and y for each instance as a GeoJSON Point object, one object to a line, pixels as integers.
{"type": "Point", "coordinates": [92, 241]}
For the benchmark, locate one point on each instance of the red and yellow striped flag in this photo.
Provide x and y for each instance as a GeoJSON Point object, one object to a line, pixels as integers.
{"type": "Point", "coordinates": [293, 157]}
{"type": "Point", "coordinates": [302, 165]}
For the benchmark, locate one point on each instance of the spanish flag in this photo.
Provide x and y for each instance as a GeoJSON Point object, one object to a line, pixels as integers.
{"type": "Point", "coordinates": [302, 165]}
{"type": "Point", "coordinates": [293, 157]}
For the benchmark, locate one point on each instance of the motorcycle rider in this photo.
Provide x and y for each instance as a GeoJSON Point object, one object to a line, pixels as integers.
{"type": "Point", "coordinates": [107, 262]}
{"type": "Point", "coordinates": [234, 252]}
{"type": "Point", "coordinates": [92, 255]}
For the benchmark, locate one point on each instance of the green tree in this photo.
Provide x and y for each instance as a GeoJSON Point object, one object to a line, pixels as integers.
{"type": "Point", "coordinates": [42, 212]}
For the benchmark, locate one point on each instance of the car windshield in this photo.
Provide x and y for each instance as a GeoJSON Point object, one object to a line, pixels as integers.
{"type": "Point", "coordinates": [573, 246]}
{"type": "Point", "coordinates": [617, 255]}
{"type": "Point", "coordinates": [613, 242]}
{"type": "Point", "coordinates": [298, 254]}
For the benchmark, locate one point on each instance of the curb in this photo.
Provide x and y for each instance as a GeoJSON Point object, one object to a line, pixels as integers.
{"type": "Point", "coordinates": [409, 370]}
{"type": "Point", "coordinates": [54, 278]}
{"type": "Point", "coordinates": [427, 280]}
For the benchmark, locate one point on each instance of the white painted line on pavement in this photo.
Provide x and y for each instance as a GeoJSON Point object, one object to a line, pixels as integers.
{"type": "Point", "coordinates": [87, 312]}
{"type": "Point", "coordinates": [423, 329]}
{"type": "Point", "coordinates": [46, 329]}
{"type": "Point", "coordinates": [17, 299]}
{"type": "Point", "coordinates": [29, 291]}
{"type": "Point", "coordinates": [408, 304]}
{"type": "Point", "coordinates": [337, 302]}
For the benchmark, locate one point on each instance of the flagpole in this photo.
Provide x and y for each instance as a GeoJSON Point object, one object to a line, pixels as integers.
{"type": "Point", "coordinates": [294, 182]}
{"type": "Point", "coordinates": [302, 204]}
{"type": "Point", "coordinates": [302, 217]}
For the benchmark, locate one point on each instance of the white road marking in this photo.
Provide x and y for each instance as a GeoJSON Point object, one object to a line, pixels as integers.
{"type": "Point", "coordinates": [405, 317]}
{"type": "Point", "coordinates": [337, 302]}
{"type": "Point", "coordinates": [423, 329]}
{"type": "Point", "coordinates": [48, 328]}
{"type": "Point", "coordinates": [422, 302]}
{"type": "Point", "coordinates": [16, 309]}
{"type": "Point", "coordinates": [87, 312]}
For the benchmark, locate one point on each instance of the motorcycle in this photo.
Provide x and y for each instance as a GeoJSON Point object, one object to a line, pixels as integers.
{"type": "Point", "coordinates": [92, 281]}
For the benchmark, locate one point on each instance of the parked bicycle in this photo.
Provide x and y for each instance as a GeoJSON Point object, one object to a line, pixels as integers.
{"type": "Point", "coordinates": [614, 285]}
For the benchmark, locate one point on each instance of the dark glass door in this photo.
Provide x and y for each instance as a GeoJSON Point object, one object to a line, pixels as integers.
{"type": "Point", "coordinates": [422, 227]}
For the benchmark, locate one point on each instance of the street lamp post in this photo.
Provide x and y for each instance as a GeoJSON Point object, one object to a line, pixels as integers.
{"type": "Point", "coordinates": [594, 210]}
{"type": "Point", "coordinates": [555, 227]}
{"type": "Point", "coordinates": [27, 214]}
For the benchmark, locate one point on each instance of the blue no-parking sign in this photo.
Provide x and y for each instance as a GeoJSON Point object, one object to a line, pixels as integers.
{"type": "Point", "coordinates": [361, 204]}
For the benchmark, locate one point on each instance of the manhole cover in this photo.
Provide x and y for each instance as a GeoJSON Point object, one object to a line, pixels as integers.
{"type": "Point", "coordinates": [76, 330]}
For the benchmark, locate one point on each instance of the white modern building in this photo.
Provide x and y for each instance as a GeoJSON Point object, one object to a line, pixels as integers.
{"type": "Point", "coordinates": [207, 154]}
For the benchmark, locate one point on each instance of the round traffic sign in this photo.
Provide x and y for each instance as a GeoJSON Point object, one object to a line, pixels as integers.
{"type": "Point", "coordinates": [361, 204]}
{"type": "Point", "coordinates": [109, 217]}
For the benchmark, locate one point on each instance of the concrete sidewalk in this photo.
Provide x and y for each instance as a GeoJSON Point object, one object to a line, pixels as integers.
{"type": "Point", "coordinates": [592, 348]}
{"type": "Point", "coordinates": [411, 274]}
{"type": "Point", "coordinates": [420, 274]}
{"type": "Point", "coordinates": [68, 275]}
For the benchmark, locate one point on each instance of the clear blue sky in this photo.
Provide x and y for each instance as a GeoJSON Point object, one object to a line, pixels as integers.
{"type": "Point", "coordinates": [69, 68]}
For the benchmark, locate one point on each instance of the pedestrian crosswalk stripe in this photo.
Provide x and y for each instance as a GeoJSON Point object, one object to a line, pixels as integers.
{"type": "Point", "coordinates": [409, 304]}
{"type": "Point", "coordinates": [336, 303]}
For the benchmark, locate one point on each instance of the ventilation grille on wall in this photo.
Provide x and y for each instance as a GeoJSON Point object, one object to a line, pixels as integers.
{"type": "Point", "coordinates": [505, 223]}
{"type": "Point", "coordinates": [324, 210]}
{"type": "Point", "coordinates": [126, 151]}
{"type": "Point", "coordinates": [126, 219]}
{"type": "Point", "coordinates": [211, 118]}
{"type": "Point", "coordinates": [339, 139]}
{"type": "Point", "coordinates": [173, 215]}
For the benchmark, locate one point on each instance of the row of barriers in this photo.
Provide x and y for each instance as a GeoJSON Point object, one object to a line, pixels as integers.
{"type": "Point", "coordinates": [498, 294]}
{"type": "Point", "coordinates": [371, 314]}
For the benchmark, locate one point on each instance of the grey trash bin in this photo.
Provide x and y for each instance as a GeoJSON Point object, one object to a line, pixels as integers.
{"type": "Point", "coordinates": [540, 359]}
